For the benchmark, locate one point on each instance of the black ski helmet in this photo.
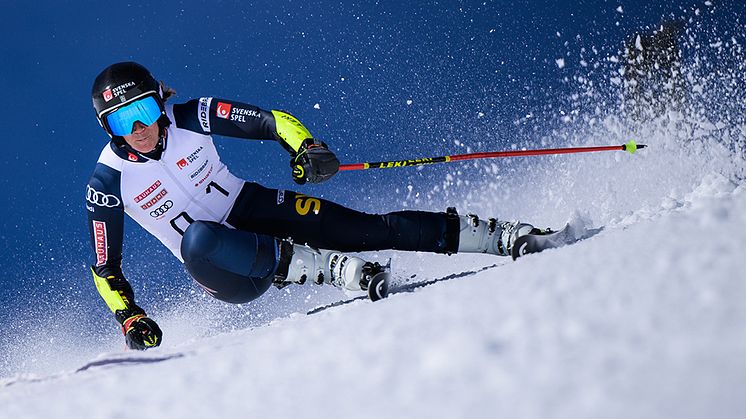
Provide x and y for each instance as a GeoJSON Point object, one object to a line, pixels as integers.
{"type": "Point", "coordinates": [120, 84]}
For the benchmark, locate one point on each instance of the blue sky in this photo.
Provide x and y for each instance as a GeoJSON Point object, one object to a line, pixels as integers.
{"type": "Point", "coordinates": [391, 80]}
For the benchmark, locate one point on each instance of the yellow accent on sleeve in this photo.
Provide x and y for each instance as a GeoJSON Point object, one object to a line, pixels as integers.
{"type": "Point", "coordinates": [112, 298]}
{"type": "Point", "coordinates": [290, 129]}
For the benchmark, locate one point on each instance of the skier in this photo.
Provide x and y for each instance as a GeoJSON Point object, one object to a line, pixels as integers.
{"type": "Point", "coordinates": [235, 237]}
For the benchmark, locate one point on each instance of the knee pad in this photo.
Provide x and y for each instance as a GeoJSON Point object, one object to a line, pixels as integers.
{"type": "Point", "coordinates": [232, 265]}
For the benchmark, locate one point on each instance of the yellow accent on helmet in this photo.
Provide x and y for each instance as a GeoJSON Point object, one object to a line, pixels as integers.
{"type": "Point", "coordinates": [290, 130]}
{"type": "Point", "coordinates": [113, 298]}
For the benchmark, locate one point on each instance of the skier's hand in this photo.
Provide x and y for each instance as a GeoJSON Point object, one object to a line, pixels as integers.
{"type": "Point", "coordinates": [141, 332]}
{"type": "Point", "coordinates": [313, 163]}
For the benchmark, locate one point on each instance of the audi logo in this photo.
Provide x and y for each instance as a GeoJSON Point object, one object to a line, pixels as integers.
{"type": "Point", "coordinates": [101, 199]}
{"type": "Point", "coordinates": [162, 209]}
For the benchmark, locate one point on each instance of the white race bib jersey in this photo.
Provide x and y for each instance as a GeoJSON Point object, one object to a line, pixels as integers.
{"type": "Point", "coordinates": [188, 182]}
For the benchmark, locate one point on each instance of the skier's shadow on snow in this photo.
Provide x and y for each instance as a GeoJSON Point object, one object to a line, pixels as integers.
{"type": "Point", "coordinates": [127, 361]}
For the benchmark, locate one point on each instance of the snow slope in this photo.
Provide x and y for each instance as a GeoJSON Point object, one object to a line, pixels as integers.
{"type": "Point", "coordinates": [645, 319]}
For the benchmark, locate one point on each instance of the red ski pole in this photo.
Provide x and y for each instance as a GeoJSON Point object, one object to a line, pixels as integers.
{"type": "Point", "coordinates": [630, 147]}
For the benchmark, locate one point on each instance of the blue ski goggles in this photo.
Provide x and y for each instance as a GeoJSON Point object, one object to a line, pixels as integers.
{"type": "Point", "coordinates": [147, 110]}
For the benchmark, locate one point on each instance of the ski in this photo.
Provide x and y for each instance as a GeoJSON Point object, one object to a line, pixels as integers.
{"type": "Point", "coordinates": [403, 287]}
{"type": "Point", "coordinates": [380, 284]}
{"type": "Point", "coordinates": [535, 243]}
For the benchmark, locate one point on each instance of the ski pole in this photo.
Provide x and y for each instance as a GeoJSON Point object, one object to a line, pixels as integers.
{"type": "Point", "coordinates": [630, 147]}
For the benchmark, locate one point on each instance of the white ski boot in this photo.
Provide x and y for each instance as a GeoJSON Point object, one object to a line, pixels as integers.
{"type": "Point", "coordinates": [491, 236]}
{"type": "Point", "coordinates": [301, 263]}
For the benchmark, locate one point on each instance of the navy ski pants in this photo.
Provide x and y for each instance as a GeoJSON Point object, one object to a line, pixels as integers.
{"type": "Point", "coordinates": [326, 225]}
{"type": "Point", "coordinates": [238, 265]}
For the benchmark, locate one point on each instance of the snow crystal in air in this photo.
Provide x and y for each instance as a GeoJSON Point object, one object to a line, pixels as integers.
{"type": "Point", "coordinates": [619, 9]}
{"type": "Point", "coordinates": [560, 62]}
{"type": "Point", "coordinates": [409, 101]}
{"type": "Point", "coordinates": [317, 106]}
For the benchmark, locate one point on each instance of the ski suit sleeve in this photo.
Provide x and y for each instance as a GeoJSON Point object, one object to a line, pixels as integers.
{"type": "Point", "coordinates": [106, 231]}
{"type": "Point", "coordinates": [209, 115]}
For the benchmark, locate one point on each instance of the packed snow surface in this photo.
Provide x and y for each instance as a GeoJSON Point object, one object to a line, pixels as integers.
{"type": "Point", "coordinates": [645, 319]}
